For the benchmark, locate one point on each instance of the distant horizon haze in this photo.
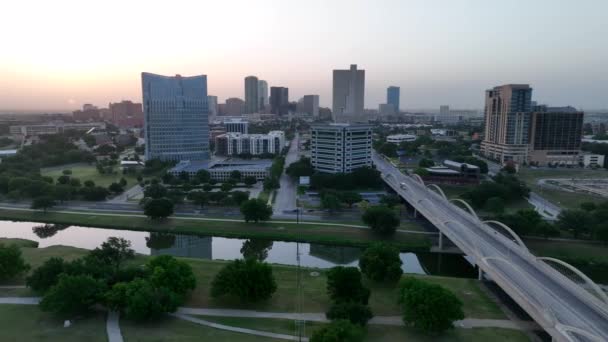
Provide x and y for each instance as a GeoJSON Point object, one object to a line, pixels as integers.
{"type": "Point", "coordinates": [67, 53]}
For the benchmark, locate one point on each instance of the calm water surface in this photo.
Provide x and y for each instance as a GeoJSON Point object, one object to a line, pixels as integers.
{"type": "Point", "coordinates": [218, 248]}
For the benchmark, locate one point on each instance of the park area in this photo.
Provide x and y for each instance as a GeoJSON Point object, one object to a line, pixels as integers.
{"type": "Point", "coordinates": [562, 198]}
{"type": "Point", "coordinates": [86, 172]}
{"type": "Point", "coordinates": [28, 323]}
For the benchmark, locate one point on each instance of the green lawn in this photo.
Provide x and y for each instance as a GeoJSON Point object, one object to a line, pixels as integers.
{"type": "Point", "coordinates": [29, 323]}
{"type": "Point", "coordinates": [174, 329]}
{"type": "Point", "coordinates": [89, 172]}
{"type": "Point", "coordinates": [375, 332]}
{"type": "Point", "coordinates": [568, 250]}
{"type": "Point", "coordinates": [562, 198]}
{"type": "Point", "coordinates": [383, 300]}
{"type": "Point", "coordinates": [455, 191]}
{"type": "Point", "coordinates": [275, 231]}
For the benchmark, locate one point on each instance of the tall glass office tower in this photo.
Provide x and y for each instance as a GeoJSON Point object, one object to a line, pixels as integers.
{"type": "Point", "coordinates": [392, 97]}
{"type": "Point", "coordinates": [175, 117]}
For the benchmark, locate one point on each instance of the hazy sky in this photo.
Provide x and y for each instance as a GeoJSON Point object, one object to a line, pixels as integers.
{"type": "Point", "coordinates": [60, 54]}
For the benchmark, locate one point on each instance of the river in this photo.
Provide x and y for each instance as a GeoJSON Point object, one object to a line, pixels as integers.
{"type": "Point", "coordinates": [219, 248]}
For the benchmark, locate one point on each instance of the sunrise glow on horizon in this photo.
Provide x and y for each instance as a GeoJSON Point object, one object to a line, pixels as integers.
{"type": "Point", "coordinates": [58, 55]}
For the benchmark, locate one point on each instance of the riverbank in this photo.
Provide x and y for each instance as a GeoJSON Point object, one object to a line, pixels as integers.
{"type": "Point", "coordinates": [383, 300]}
{"type": "Point", "coordinates": [311, 232]}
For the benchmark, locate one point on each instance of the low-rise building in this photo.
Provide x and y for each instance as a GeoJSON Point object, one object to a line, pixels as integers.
{"type": "Point", "coordinates": [230, 144]}
{"type": "Point", "coordinates": [54, 128]}
{"type": "Point", "coordinates": [399, 138]}
{"type": "Point", "coordinates": [221, 170]}
{"type": "Point", "coordinates": [236, 126]}
{"type": "Point", "coordinates": [591, 160]}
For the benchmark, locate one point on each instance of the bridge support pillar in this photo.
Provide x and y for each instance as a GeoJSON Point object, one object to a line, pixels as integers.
{"type": "Point", "coordinates": [415, 213]}
{"type": "Point", "coordinates": [480, 273]}
{"type": "Point", "coordinates": [440, 240]}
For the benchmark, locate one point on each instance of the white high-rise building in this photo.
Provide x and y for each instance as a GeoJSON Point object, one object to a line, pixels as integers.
{"type": "Point", "coordinates": [251, 95]}
{"type": "Point", "coordinates": [348, 94]}
{"type": "Point", "coordinates": [340, 147]}
{"type": "Point", "coordinates": [175, 117]}
{"type": "Point", "coordinates": [263, 94]}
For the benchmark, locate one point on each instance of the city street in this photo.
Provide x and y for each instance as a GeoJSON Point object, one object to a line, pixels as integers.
{"type": "Point", "coordinates": [286, 194]}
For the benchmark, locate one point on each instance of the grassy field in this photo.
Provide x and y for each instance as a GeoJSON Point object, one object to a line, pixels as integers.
{"type": "Point", "coordinates": [28, 323]}
{"type": "Point", "coordinates": [89, 172]}
{"type": "Point", "coordinates": [376, 332]}
{"type": "Point", "coordinates": [383, 300]}
{"type": "Point", "coordinates": [569, 250]}
{"type": "Point", "coordinates": [562, 198]}
{"type": "Point", "coordinates": [275, 231]}
{"type": "Point", "coordinates": [454, 191]}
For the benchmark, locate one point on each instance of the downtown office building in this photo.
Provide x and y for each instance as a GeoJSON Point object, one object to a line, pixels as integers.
{"type": "Point", "coordinates": [341, 148]}
{"type": "Point", "coordinates": [175, 117]}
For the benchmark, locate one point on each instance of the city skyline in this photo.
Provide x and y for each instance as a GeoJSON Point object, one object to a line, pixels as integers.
{"type": "Point", "coordinates": [446, 53]}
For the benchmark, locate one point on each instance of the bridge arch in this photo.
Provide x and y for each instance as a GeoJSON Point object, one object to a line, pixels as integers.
{"type": "Point", "coordinates": [418, 178]}
{"type": "Point", "coordinates": [600, 293]}
{"type": "Point", "coordinates": [469, 208]}
{"type": "Point", "coordinates": [510, 231]}
{"type": "Point", "coordinates": [438, 189]}
{"type": "Point", "coordinates": [567, 331]}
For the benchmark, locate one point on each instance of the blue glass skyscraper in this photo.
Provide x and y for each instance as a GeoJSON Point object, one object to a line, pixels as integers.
{"type": "Point", "coordinates": [175, 117]}
{"type": "Point", "coordinates": [392, 97]}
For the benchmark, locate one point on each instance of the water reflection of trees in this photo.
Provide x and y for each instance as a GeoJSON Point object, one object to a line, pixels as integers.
{"type": "Point", "coordinates": [48, 230]}
{"type": "Point", "coordinates": [256, 248]}
{"type": "Point", "coordinates": [339, 255]}
{"type": "Point", "coordinates": [160, 240]}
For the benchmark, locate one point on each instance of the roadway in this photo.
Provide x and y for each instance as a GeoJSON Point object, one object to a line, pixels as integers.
{"type": "Point", "coordinates": [558, 304]}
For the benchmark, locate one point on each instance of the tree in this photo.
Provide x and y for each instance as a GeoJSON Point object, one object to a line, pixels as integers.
{"type": "Point", "coordinates": [46, 275]}
{"type": "Point", "coordinates": [256, 210]}
{"type": "Point", "coordinates": [140, 300]}
{"type": "Point", "coordinates": [356, 313]}
{"type": "Point", "coordinates": [43, 202]}
{"type": "Point", "coordinates": [63, 192]}
{"type": "Point", "coordinates": [429, 307]}
{"type": "Point", "coordinates": [301, 168]}
{"type": "Point", "coordinates": [239, 196]}
{"type": "Point", "coordinates": [73, 294]}
{"type": "Point", "coordinates": [235, 174]}
{"type": "Point", "coordinates": [344, 284]}
{"type": "Point", "coordinates": [381, 262]}
{"type": "Point", "coordinates": [271, 183]}
{"type": "Point", "coordinates": [426, 163]}
{"type": "Point", "coordinates": [509, 168]}
{"type": "Point", "coordinates": [66, 172]}
{"type": "Point", "coordinates": [390, 200]}
{"type": "Point", "coordinates": [249, 181]}
{"type": "Point", "coordinates": [158, 208]}
{"type": "Point", "coordinates": [97, 193]}
{"type": "Point", "coordinates": [588, 206]}
{"type": "Point", "coordinates": [601, 233]}
{"type": "Point", "coordinates": [350, 198]}
{"type": "Point", "coordinates": [256, 249]}
{"type": "Point", "coordinates": [155, 191]}
{"type": "Point", "coordinates": [495, 205]}
{"type": "Point", "coordinates": [422, 172]}
{"type": "Point", "coordinates": [226, 187]}
{"type": "Point", "coordinates": [338, 331]}
{"type": "Point", "coordinates": [381, 220]}
{"type": "Point", "coordinates": [12, 263]}
{"type": "Point", "coordinates": [63, 179]}
{"type": "Point", "coordinates": [388, 149]}
{"type": "Point", "coordinates": [330, 201]}
{"type": "Point", "coordinates": [207, 187]}
{"type": "Point", "coordinates": [123, 182]}
{"type": "Point", "coordinates": [576, 221]}
{"type": "Point", "coordinates": [170, 273]}
{"type": "Point", "coordinates": [199, 198]}
{"type": "Point", "coordinates": [116, 188]}
{"type": "Point", "coordinates": [546, 230]}
{"type": "Point", "coordinates": [249, 280]}
{"type": "Point", "coordinates": [203, 176]}
{"type": "Point", "coordinates": [115, 251]}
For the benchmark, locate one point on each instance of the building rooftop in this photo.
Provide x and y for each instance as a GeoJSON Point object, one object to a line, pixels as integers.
{"type": "Point", "coordinates": [442, 170]}
{"type": "Point", "coordinates": [228, 164]}
{"type": "Point", "coordinates": [459, 165]}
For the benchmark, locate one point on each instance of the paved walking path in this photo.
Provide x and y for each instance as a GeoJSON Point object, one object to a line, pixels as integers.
{"type": "Point", "coordinates": [96, 212]}
{"type": "Point", "coordinates": [113, 327]}
{"type": "Point", "coordinates": [20, 300]}
{"type": "Point", "coordinates": [467, 323]}
{"type": "Point", "coordinates": [239, 330]}
{"type": "Point", "coordinates": [12, 287]}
